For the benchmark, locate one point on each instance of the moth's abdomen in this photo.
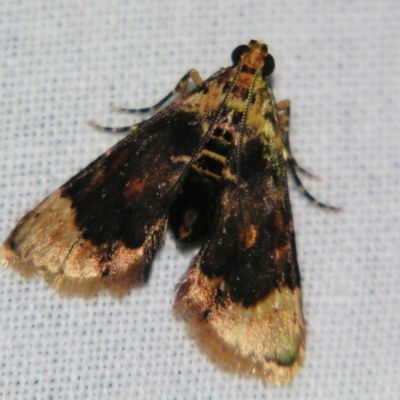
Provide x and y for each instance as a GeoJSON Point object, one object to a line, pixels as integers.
{"type": "Point", "coordinates": [212, 158]}
{"type": "Point", "coordinates": [193, 210]}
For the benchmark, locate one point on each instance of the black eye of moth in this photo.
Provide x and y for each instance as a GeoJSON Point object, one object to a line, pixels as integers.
{"type": "Point", "coordinates": [237, 53]}
{"type": "Point", "coordinates": [269, 66]}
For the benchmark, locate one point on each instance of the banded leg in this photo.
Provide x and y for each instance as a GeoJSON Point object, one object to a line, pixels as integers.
{"type": "Point", "coordinates": [109, 129]}
{"type": "Point", "coordinates": [179, 88]}
{"type": "Point", "coordinates": [284, 119]}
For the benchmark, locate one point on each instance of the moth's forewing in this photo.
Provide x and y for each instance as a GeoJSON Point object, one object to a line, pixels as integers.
{"type": "Point", "coordinates": [241, 293]}
{"type": "Point", "coordinates": [103, 226]}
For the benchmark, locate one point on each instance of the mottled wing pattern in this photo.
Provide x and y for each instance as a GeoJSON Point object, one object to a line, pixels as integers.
{"type": "Point", "coordinates": [104, 225]}
{"type": "Point", "coordinates": [241, 293]}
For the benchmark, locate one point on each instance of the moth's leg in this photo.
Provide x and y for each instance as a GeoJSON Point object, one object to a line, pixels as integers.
{"type": "Point", "coordinates": [109, 129]}
{"type": "Point", "coordinates": [304, 191]}
{"type": "Point", "coordinates": [284, 118]}
{"type": "Point", "coordinates": [179, 88]}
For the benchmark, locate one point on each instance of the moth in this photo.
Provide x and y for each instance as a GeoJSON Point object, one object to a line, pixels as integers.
{"type": "Point", "coordinates": [213, 164]}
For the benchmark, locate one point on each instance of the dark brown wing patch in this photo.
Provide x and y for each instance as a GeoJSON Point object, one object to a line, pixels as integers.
{"type": "Point", "coordinates": [105, 224]}
{"type": "Point", "coordinates": [242, 293]}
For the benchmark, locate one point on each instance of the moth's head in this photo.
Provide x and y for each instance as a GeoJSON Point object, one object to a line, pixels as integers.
{"type": "Point", "coordinates": [254, 56]}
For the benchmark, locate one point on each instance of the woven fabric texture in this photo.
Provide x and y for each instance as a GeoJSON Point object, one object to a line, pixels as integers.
{"type": "Point", "coordinates": [65, 62]}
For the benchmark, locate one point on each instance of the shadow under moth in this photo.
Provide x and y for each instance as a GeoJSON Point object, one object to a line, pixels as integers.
{"type": "Point", "coordinates": [213, 165]}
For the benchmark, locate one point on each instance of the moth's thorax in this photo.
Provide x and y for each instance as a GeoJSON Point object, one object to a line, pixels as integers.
{"type": "Point", "coordinates": [249, 110]}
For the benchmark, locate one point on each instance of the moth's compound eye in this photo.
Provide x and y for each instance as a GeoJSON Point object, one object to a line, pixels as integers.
{"type": "Point", "coordinates": [237, 53]}
{"type": "Point", "coordinates": [269, 66]}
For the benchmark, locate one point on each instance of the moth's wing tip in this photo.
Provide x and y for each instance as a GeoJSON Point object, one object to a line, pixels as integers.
{"type": "Point", "coordinates": [64, 286]}
{"type": "Point", "coordinates": [11, 260]}
{"type": "Point", "coordinates": [225, 356]}
{"type": "Point", "coordinates": [117, 285]}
